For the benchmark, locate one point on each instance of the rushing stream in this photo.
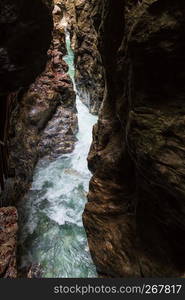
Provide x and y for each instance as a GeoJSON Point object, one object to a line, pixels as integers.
{"type": "Point", "coordinates": [52, 232]}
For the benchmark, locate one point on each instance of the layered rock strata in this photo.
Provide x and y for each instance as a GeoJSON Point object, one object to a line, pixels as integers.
{"type": "Point", "coordinates": [135, 215]}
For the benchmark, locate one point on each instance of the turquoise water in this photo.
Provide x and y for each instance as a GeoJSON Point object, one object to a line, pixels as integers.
{"type": "Point", "coordinates": [52, 232]}
{"type": "Point", "coordinates": [69, 58]}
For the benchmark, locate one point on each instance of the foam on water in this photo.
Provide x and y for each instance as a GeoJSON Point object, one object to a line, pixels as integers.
{"type": "Point", "coordinates": [52, 232]}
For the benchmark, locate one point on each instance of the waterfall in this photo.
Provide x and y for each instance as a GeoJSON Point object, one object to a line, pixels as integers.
{"type": "Point", "coordinates": [52, 232]}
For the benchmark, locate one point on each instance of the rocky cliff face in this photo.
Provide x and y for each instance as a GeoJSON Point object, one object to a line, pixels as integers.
{"type": "Point", "coordinates": [41, 117]}
{"type": "Point", "coordinates": [43, 121]}
{"type": "Point", "coordinates": [83, 19]}
{"type": "Point", "coordinates": [8, 231]}
{"type": "Point", "coordinates": [25, 36]}
{"type": "Point", "coordinates": [24, 40]}
{"type": "Point", "coordinates": [135, 215]}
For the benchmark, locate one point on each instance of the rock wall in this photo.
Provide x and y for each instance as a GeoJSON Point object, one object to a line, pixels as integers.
{"type": "Point", "coordinates": [43, 121]}
{"type": "Point", "coordinates": [83, 17]}
{"type": "Point", "coordinates": [8, 231]}
{"type": "Point", "coordinates": [135, 215]}
{"type": "Point", "coordinates": [41, 106]}
{"type": "Point", "coordinates": [25, 37]}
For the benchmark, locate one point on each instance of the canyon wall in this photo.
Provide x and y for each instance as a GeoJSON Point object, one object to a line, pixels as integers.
{"type": "Point", "coordinates": [43, 120]}
{"type": "Point", "coordinates": [37, 106]}
{"type": "Point", "coordinates": [135, 213]}
{"type": "Point", "coordinates": [25, 36]}
{"type": "Point", "coordinates": [84, 17]}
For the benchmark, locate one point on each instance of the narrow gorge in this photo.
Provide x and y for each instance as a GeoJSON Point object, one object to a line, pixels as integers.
{"type": "Point", "coordinates": [92, 138]}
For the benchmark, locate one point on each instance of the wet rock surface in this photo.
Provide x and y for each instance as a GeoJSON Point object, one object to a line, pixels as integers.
{"type": "Point", "coordinates": [83, 20]}
{"type": "Point", "coordinates": [8, 243]}
{"type": "Point", "coordinates": [25, 36]}
{"type": "Point", "coordinates": [43, 118]}
{"type": "Point", "coordinates": [135, 215]}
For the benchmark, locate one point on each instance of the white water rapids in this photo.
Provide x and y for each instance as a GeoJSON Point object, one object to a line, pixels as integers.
{"type": "Point", "coordinates": [52, 232]}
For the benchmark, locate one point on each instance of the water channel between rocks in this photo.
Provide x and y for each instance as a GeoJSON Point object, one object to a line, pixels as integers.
{"type": "Point", "coordinates": [51, 229]}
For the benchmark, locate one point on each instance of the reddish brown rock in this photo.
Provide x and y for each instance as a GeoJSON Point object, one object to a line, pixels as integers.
{"type": "Point", "coordinates": [135, 215]}
{"type": "Point", "coordinates": [25, 37]}
{"type": "Point", "coordinates": [8, 231]}
{"type": "Point", "coordinates": [83, 17]}
{"type": "Point", "coordinates": [43, 121]}
{"type": "Point", "coordinates": [35, 271]}
{"type": "Point", "coordinates": [35, 109]}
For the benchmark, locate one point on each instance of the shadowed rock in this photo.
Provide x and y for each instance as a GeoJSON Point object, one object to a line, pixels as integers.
{"type": "Point", "coordinates": [8, 244]}
{"type": "Point", "coordinates": [135, 215]}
